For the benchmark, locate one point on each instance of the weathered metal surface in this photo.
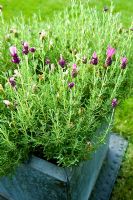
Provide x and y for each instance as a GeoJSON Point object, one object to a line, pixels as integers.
{"type": "Point", "coordinates": [110, 168]}
{"type": "Point", "coordinates": [39, 179]}
{"type": "Point", "coordinates": [68, 178]}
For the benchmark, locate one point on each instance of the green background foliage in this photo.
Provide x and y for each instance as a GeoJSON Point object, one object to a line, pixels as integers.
{"type": "Point", "coordinates": [123, 119]}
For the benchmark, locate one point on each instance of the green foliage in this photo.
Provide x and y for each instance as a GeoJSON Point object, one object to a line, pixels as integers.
{"type": "Point", "coordinates": [45, 117]}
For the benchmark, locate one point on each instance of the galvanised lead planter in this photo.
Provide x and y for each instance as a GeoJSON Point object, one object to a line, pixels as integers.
{"type": "Point", "coordinates": [39, 179]}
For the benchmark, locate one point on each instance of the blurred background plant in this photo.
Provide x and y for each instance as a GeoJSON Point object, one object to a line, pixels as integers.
{"type": "Point", "coordinates": [123, 118]}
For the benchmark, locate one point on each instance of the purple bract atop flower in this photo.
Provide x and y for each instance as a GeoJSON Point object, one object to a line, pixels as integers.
{"type": "Point", "coordinates": [62, 62]}
{"type": "Point", "coordinates": [114, 102]}
{"type": "Point", "coordinates": [110, 52]}
{"type": "Point", "coordinates": [94, 59]}
{"type": "Point", "coordinates": [12, 82]}
{"type": "Point", "coordinates": [25, 48]}
{"type": "Point", "coordinates": [74, 71]}
{"type": "Point", "coordinates": [32, 49]}
{"type": "Point", "coordinates": [47, 61]}
{"type": "Point", "coordinates": [15, 58]}
{"type": "Point", "coordinates": [13, 51]}
{"type": "Point", "coordinates": [71, 85]}
{"type": "Point", "coordinates": [124, 62]}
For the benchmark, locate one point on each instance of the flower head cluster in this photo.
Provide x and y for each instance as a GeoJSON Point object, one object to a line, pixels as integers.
{"type": "Point", "coordinates": [32, 49]}
{"type": "Point", "coordinates": [94, 59]}
{"type": "Point", "coordinates": [26, 49]}
{"type": "Point", "coordinates": [62, 62]}
{"type": "Point", "coordinates": [47, 61]}
{"type": "Point", "coordinates": [123, 62]}
{"type": "Point", "coordinates": [110, 52]}
{"type": "Point", "coordinates": [114, 102]}
{"type": "Point", "coordinates": [71, 85]}
{"type": "Point", "coordinates": [15, 58]}
{"type": "Point", "coordinates": [12, 82]}
{"type": "Point", "coordinates": [74, 71]}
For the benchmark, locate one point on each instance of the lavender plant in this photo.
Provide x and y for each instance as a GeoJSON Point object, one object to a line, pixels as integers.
{"type": "Point", "coordinates": [59, 81]}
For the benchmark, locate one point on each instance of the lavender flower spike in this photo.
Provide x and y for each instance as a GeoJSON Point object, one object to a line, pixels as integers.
{"type": "Point", "coordinates": [110, 52]}
{"type": "Point", "coordinates": [16, 60]}
{"type": "Point", "coordinates": [114, 102]}
{"type": "Point", "coordinates": [25, 48]}
{"type": "Point", "coordinates": [123, 62]}
{"type": "Point", "coordinates": [13, 51]}
{"type": "Point", "coordinates": [62, 62]}
{"type": "Point", "coordinates": [74, 71]}
{"type": "Point", "coordinates": [12, 82]}
{"type": "Point", "coordinates": [71, 85]}
{"type": "Point", "coordinates": [94, 59]}
{"type": "Point", "coordinates": [32, 49]}
{"type": "Point", "coordinates": [47, 61]}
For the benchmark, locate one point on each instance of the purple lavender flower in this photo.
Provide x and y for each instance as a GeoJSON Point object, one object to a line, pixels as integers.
{"type": "Point", "coordinates": [123, 62]}
{"type": "Point", "coordinates": [108, 61]}
{"type": "Point", "coordinates": [84, 59]}
{"type": "Point", "coordinates": [47, 61]}
{"type": "Point", "coordinates": [25, 48]}
{"type": "Point", "coordinates": [32, 49]}
{"type": "Point", "coordinates": [94, 59]}
{"type": "Point", "coordinates": [71, 85]}
{"type": "Point", "coordinates": [15, 58]}
{"type": "Point", "coordinates": [114, 102]}
{"type": "Point", "coordinates": [74, 71]}
{"type": "Point", "coordinates": [62, 62]}
{"type": "Point", "coordinates": [13, 51]}
{"type": "Point", "coordinates": [12, 82]}
{"type": "Point", "coordinates": [110, 52]}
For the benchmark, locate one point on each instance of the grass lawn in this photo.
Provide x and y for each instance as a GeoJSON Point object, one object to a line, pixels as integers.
{"type": "Point", "coordinates": [124, 118]}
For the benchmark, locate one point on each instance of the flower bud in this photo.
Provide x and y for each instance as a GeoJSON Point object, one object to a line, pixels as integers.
{"type": "Point", "coordinates": [114, 102]}
{"type": "Point", "coordinates": [15, 58]}
{"type": "Point", "coordinates": [110, 52]}
{"type": "Point", "coordinates": [71, 85]}
{"type": "Point", "coordinates": [32, 49]}
{"type": "Point", "coordinates": [12, 82]}
{"type": "Point", "coordinates": [74, 71]}
{"type": "Point", "coordinates": [47, 61]}
{"type": "Point", "coordinates": [124, 62]}
{"type": "Point", "coordinates": [94, 59]}
{"type": "Point", "coordinates": [62, 62]}
{"type": "Point", "coordinates": [25, 48]}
